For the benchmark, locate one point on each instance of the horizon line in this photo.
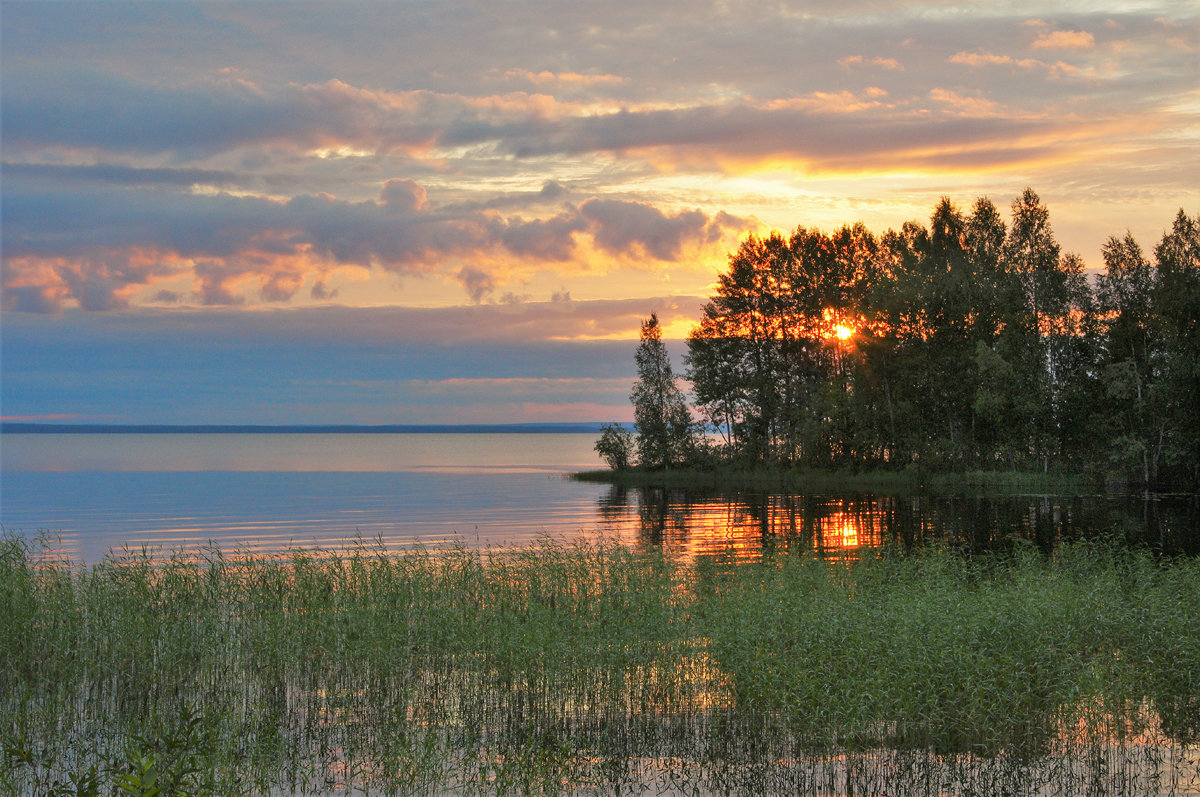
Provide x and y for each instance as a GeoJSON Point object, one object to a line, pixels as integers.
{"type": "Point", "coordinates": [546, 427]}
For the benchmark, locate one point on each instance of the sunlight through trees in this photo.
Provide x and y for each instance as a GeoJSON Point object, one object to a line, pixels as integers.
{"type": "Point", "coordinates": [966, 344]}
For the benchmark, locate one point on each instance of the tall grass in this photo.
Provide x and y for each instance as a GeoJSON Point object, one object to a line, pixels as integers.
{"type": "Point", "coordinates": [597, 668]}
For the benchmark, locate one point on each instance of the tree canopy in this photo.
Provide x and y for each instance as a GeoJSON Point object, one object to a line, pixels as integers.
{"type": "Point", "coordinates": [660, 414]}
{"type": "Point", "coordinates": [970, 343]}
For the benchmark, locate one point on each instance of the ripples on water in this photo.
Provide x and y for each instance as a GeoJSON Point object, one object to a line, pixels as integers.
{"type": "Point", "coordinates": [704, 522]}
{"type": "Point", "coordinates": [268, 493]}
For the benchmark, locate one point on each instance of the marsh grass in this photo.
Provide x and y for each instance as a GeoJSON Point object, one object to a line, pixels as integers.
{"type": "Point", "coordinates": [598, 668]}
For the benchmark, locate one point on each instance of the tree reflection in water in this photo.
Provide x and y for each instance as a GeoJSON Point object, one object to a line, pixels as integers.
{"type": "Point", "coordinates": [692, 522]}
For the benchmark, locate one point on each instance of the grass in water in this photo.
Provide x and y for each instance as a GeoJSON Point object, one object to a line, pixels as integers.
{"type": "Point", "coordinates": [597, 668]}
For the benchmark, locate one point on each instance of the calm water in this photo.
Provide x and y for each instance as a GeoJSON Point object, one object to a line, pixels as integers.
{"type": "Point", "coordinates": [96, 492]}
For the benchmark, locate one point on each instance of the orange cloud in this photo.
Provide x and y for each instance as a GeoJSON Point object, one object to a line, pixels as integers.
{"type": "Point", "coordinates": [971, 106]}
{"type": "Point", "coordinates": [1065, 40]}
{"type": "Point", "coordinates": [859, 60]}
{"type": "Point", "coordinates": [989, 59]}
{"type": "Point", "coordinates": [829, 102]}
{"type": "Point", "coordinates": [100, 280]}
{"type": "Point", "coordinates": [546, 77]}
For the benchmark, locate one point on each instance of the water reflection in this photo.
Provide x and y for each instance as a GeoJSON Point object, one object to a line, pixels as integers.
{"type": "Point", "coordinates": [692, 522]}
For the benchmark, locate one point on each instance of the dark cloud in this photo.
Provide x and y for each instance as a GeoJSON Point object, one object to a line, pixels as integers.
{"type": "Point", "coordinates": [213, 278]}
{"type": "Point", "coordinates": [32, 299]}
{"type": "Point", "coordinates": [105, 112]}
{"type": "Point", "coordinates": [552, 192]}
{"type": "Point", "coordinates": [818, 132]}
{"type": "Point", "coordinates": [203, 121]}
{"type": "Point", "coordinates": [476, 283]}
{"type": "Point", "coordinates": [51, 223]}
{"type": "Point", "coordinates": [545, 239]}
{"type": "Point", "coordinates": [115, 174]}
{"type": "Point", "coordinates": [97, 244]}
{"type": "Point", "coordinates": [281, 286]}
{"type": "Point", "coordinates": [403, 196]}
{"type": "Point", "coordinates": [320, 291]}
{"type": "Point", "coordinates": [620, 227]}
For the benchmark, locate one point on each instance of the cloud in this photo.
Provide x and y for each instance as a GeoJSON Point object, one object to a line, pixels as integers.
{"type": "Point", "coordinates": [546, 77]}
{"type": "Point", "coordinates": [99, 247]}
{"type": "Point", "coordinates": [257, 156]}
{"type": "Point", "coordinates": [330, 119]}
{"type": "Point", "coordinates": [403, 196]}
{"type": "Point", "coordinates": [551, 239]}
{"type": "Point", "coordinates": [476, 283]}
{"type": "Point", "coordinates": [220, 118]}
{"type": "Point", "coordinates": [621, 227]}
{"type": "Point", "coordinates": [116, 174]}
{"type": "Point", "coordinates": [1064, 40]}
{"type": "Point", "coordinates": [199, 189]}
{"type": "Point", "coordinates": [706, 137]}
{"type": "Point", "coordinates": [216, 281]}
{"type": "Point", "coordinates": [879, 61]}
{"type": "Point", "coordinates": [320, 291]}
{"type": "Point", "coordinates": [151, 118]}
{"type": "Point", "coordinates": [972, 106]}
{"type": "Point", "coordinates": [101, 281]}
{"type": "Point", "coordinates": [41, 299]}
{"type": "Point", "coordinates": [990, 59]}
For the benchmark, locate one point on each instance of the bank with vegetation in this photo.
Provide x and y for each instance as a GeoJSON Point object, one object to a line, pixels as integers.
{"type": "Point", "coordinates": [969, 345]}
{"type": "Point", "coordinates": [599, 668]}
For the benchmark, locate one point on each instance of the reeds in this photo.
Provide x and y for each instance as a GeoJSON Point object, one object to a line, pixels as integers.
{"type": "Point", "coordinates": [598, 668]}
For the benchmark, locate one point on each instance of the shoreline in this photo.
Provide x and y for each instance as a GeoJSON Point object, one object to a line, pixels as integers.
{"type": "Point", "coordinates": [1003, 482]}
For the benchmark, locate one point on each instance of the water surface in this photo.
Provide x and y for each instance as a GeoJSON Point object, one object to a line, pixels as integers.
{"type": "Point", "coordinates": [270, 492]}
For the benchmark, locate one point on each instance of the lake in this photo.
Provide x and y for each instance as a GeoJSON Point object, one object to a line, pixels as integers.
{"type": "Point", "coordinates": [93, 493]}
{"type": "Point", "coordinates": [590, 668]}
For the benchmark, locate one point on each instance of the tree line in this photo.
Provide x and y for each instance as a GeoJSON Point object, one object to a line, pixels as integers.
{"type": "Point", "coordinates": [970, 344]}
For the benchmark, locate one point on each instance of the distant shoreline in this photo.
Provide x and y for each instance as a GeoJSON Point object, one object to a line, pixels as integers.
{"type": "Point", "coordinates": [15, 427]}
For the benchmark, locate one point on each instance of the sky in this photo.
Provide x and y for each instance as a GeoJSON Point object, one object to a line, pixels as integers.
{"type": "Point", "coordinates": [460, 212]}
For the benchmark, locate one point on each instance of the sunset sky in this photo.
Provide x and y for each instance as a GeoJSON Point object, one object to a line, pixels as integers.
{"type": "Point", "coordinates": [441, 212]}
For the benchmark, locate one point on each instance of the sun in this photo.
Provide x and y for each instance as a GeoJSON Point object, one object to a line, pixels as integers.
{"type": "Point", "coordinates": [837, 326]}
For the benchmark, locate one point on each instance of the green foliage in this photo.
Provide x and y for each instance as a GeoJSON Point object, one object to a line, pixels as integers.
{"type": "Point", "coordinates": [616, 447]}
{"type": "Point", "coordinates": [977, 656]}
{"type": "Point", "coordinates": [593, 667]}
{"type": "Point", "coordinates": [1176, 299]}
{"type": "Point", "coordinates": [660, 414]}
{"type": "Point", "coordinates": [976, 345]}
